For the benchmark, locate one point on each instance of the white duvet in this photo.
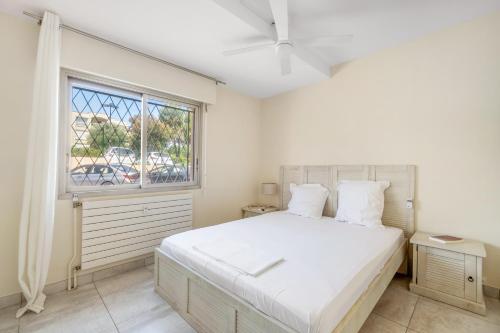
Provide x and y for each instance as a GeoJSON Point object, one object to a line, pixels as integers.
{"type": "Point", "coordinates": [327, 265]}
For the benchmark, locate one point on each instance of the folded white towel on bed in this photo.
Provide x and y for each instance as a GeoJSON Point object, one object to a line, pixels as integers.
{"type": "Point", "coordinates": [240, 256]}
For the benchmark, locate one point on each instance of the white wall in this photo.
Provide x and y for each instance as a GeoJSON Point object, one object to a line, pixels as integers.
{"type": "Point", "coordinates": [89, 55]}
{"type": "Point", "coordinates": [231, 132]}
{"type": "Point", "coordinates": [434, 102]}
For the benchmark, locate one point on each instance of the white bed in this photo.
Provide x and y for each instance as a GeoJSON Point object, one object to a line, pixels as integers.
{"type": "Point", "coordinates": [332, 275]}
{"type": "Point", "coordinates": [327, 265]}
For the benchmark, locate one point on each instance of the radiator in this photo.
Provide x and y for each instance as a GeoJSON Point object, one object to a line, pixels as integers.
{"type": "Point", "coordinates": [119, 229]}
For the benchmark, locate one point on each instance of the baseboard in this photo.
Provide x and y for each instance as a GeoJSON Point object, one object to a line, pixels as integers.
{"type": "Point", "coordinates": [491, 291]}
{"type": "Point", "coordinates": [83, 279]}
{"type": "Point", "coordinates": [9, 300]}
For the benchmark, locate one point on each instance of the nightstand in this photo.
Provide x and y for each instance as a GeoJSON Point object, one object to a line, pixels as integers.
{"type": "Point", "coordinates": [450, 273]}
{"type": "Point", "coordinates": [254, 210]}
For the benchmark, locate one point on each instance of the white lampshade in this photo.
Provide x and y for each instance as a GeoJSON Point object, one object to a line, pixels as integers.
{"type": "Point", "coordinates": [269, 188]}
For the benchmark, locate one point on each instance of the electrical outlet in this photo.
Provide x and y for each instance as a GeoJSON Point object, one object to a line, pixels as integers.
{"type": "Point", "coordinates": [409, 203]}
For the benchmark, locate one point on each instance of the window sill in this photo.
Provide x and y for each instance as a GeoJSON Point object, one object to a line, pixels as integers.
{"type": "Point", "coordinates": [128, 192]}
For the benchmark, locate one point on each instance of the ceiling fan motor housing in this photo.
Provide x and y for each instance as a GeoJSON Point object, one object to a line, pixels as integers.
{"type": "Point", "coordinates": [283, 48]}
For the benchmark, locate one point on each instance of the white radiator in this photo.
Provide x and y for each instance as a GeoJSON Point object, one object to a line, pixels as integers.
{"type": "Point", "coordinates": [119, 229]}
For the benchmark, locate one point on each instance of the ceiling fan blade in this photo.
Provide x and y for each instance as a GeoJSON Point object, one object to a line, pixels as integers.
{"type": "Point", "coordinates": [312, 59]}
{"type": "Point", "coordinates": [280, 14]}
{"type": "Point", "coordinates": [331, 40]}
{"type": "Point", "coordinates": [247, 49]}
{"type": "Point", "coordinates": [249, 17]}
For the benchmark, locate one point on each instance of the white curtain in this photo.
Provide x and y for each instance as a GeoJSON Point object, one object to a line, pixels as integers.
{"type": "Point", "coordinates": [37, 215]}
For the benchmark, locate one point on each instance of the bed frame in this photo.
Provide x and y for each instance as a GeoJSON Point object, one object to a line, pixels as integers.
{"type": "Point", "coordinates": [211, 309]}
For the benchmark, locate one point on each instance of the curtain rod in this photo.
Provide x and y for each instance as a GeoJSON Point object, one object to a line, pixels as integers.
{"type": "Point", "coordinates": [123, 47]}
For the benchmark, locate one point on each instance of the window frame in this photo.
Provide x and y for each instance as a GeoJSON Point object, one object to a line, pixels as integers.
{"type": "Point", "coordinates": [65, 190]}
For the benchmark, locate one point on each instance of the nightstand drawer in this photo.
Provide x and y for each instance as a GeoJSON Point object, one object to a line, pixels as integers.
{"type": "Point", "coordinates": [449, 272]}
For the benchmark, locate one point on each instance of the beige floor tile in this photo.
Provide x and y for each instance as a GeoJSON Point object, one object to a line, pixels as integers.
{"type": "Point", "coordinates": [80, 310]}
{"type": "Point", "coordinates": [397, 303]}
{"type": "Point", "coordinates": [135, 307]}
{"type": "Point", "coordinates": [492, 310]}
{"type": "Point", "coordinates": [129, 295]}
{"type": "Point", "coordinates": [378, 324]}
{"type": "Point", "coordinates": [158, 320]}
{"type": "Point", "coordinates": [8, 321]}
{"type": "Point", "coordinates": [435, 317]}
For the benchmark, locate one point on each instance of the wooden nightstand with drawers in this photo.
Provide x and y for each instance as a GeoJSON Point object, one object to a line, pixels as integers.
{"type": "Point", "coordinates": [450, 273]}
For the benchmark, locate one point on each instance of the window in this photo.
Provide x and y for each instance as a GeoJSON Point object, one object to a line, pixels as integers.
{"type": "Point", "coordinates": [80, 121]}
{"type": "Point", "coordinates": [124, 137]}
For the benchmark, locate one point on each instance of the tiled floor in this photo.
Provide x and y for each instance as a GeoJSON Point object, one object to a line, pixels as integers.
{"type": "Point", "coordinates": [128, 303]}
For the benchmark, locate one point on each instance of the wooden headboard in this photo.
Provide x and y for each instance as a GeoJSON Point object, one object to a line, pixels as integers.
{"type": "Point", "coordinates": [399, 197]}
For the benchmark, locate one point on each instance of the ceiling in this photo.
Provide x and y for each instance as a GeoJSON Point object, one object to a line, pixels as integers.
{"type": "Point", "coordinates": [193, 33]}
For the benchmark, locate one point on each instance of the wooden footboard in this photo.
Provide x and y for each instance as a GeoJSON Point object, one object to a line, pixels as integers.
{"type": "Point", "coordinates": [206, 307]}
{"type": "Point", "coordinates": [210, 309]}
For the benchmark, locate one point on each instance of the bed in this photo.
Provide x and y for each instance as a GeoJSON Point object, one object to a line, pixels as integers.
{"type": "Point", "coordinates": [333, 275]}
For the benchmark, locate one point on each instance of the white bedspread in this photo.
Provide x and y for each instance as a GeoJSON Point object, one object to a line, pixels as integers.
{"type": "Point", "coordinates": [327, 265]}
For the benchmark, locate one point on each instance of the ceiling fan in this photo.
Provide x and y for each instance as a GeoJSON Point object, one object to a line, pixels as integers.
{"type": "Point", "coordinates": [282, 43]}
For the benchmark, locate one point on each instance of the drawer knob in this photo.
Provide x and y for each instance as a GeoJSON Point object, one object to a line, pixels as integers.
{"type": "Point", "coordinates": [470, 278]}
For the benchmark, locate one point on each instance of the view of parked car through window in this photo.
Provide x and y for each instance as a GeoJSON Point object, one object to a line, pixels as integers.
{"type": "Point", "coordinates": [108, 147]}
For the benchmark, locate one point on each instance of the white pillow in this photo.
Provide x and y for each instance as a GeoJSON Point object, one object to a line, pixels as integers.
{"type": "Point", "coordinates": [361, 202]}
{"type": "Point", "coordinates": [308, 200]}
